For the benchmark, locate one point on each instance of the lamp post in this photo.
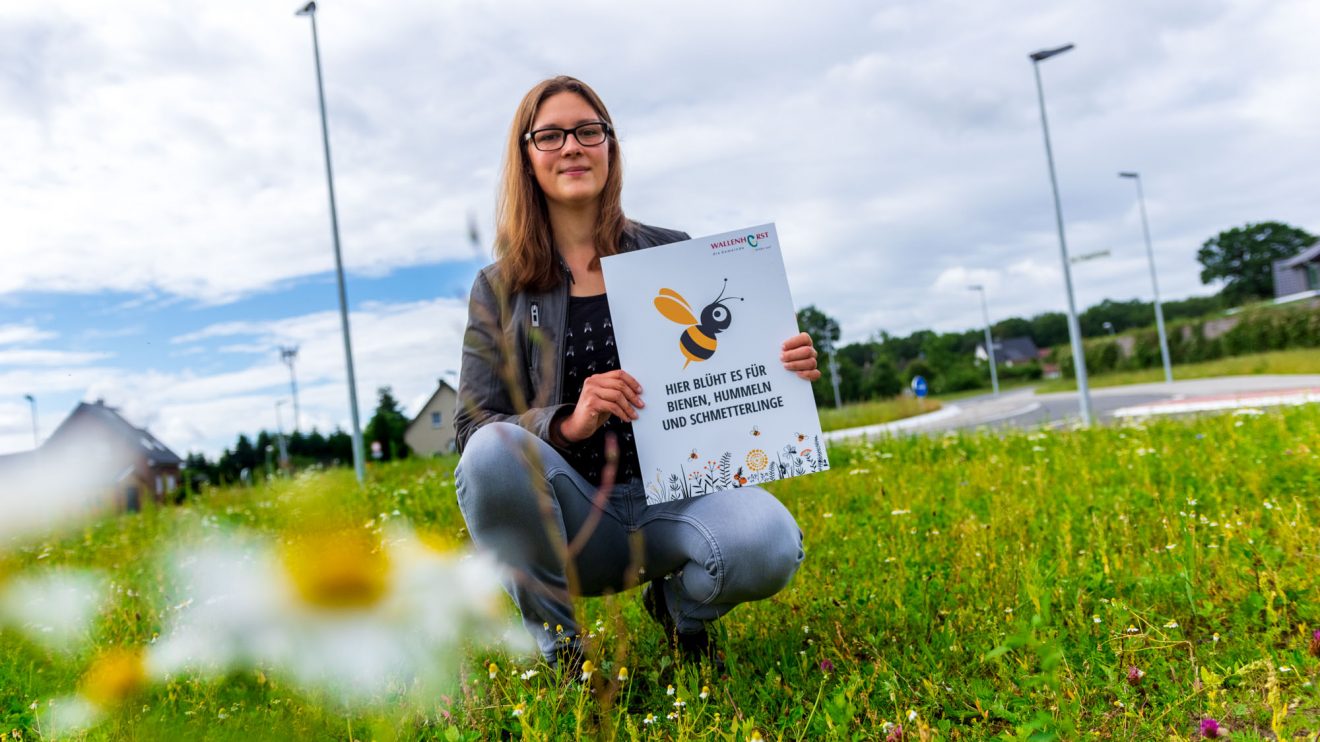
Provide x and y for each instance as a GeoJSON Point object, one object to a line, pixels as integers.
{"type": "Point", "coordinates": [359, 465]}
{"type": "Point", "coordinates": [279, 431]}
{"type": "Point", "coordinates": [32, 401]}
{"type": "Point", "coordinates": [989, 341]}
{"type": "Point", "coordinates": [1154, 282]}
{"type": "Point", "coordinates": [289, 354]}
{"type": "Point", "coordinates": [1074, 330]}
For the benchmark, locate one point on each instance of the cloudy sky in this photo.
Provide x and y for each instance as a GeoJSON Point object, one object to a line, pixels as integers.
{"type": "Point", "coordinates": [164, 223]}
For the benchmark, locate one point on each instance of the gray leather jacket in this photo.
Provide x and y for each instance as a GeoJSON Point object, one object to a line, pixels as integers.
{"type": "Point", "coordinates": [512, 367]}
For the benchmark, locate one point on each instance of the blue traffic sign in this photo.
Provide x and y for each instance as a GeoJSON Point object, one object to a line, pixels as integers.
{"type": "Point", "coordinates": [919, 385]}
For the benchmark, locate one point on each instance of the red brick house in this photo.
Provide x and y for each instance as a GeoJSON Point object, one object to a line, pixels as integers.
{"type": "Point", "coordinates": [142, 465]}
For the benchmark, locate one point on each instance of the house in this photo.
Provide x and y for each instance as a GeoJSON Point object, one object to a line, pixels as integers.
{"type": "Point", "coordinates": [431, 433]}
{"type": "Point", "coordinates": [1297, 277]}
{"type": "Point", "coordinates": [1011, 352]}
{"type": "Point", "coordinates": [136, 462]}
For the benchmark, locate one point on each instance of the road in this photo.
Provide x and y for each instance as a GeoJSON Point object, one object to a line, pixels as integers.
{"type": "Point", "coordinates": [1023, 408]}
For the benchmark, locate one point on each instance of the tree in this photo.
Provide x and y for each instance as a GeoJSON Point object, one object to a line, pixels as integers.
{"type": "Point", "coordinates": [822, 328]}
{"type": "Point", "coordinates": [1243, 257]}
{"type": "Point", "coordinates": [387, 426]}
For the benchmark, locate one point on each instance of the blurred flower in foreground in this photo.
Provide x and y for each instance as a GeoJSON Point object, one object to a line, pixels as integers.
{"type": "Point", "coordinates": [341, 611]}
{"type": "Point", "coordinates": [1210, 729]}
{"type": "Point", "coordinates": [47, 490]}
{"type": "Point", "coordinates": [53, 607]}
{"type": "Point", "coordinates": [114, 677]}
{"type": "Point", "coordinates": [1315, 643]}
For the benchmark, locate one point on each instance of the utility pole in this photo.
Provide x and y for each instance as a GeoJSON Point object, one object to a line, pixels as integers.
{"type": "Point", "coordinates": [289, 354]}
{"type": "Point", "coordinates": [32, 401]}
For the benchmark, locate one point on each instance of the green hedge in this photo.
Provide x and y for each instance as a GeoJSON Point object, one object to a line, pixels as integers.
{"type": "Point", "coordinates": [1257, 331]}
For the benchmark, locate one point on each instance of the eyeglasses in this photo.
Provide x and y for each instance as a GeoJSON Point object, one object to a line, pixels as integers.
{"type": "Point", "coordinates": [552, 138]}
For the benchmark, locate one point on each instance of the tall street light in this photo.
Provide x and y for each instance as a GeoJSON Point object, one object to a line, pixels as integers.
{"type": "Point", "coordinates": [1074, 330]}
{"type": "Point", "coordinates": [36, 439]}
{"type": "Point", "coordinates": [1154, 282]}
{"type": "Point", "coordinates": [279, 430]}
{"type": "Point", "coordinates": [359, 465]}
{"type": "Point", "coordinates": [989, 341]}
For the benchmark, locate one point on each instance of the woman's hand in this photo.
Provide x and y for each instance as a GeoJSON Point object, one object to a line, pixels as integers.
{"type": "Point", "coordinates": [799, 356]}
{"type": "Point", "coordinates": [614, 393]}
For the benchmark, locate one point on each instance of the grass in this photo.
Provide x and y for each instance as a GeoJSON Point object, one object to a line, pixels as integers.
{"type": "Point", "coordinates": [858, 414]}
{"type": "Point", "coordinates": [970, 586]}
{"type": "Point", "coordinates": [1299, 361]}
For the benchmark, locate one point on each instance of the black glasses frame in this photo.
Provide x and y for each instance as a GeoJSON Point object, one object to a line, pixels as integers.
{"type": "Point", "coordinates": [531, 135]}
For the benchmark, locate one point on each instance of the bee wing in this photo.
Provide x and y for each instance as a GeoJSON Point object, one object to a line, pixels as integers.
{"type": "Point", "coordinates": [674, 307]}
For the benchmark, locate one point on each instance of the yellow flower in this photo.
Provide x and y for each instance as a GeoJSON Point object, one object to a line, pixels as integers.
{"type": "Point", "coordinates": [756, 737]}
{"type": "Point", "coordinates": [623, 674]}
{"type": "Point", "coordinates": [705, 692]}
{"type": "Point", "coordinates": [493, 669]}
{"type": "Point", "coordinates": [114, 677]}
{"type": "Point", "coordinates": [338, 568]}
{"type": "Point", "coordinates": [587, 668]}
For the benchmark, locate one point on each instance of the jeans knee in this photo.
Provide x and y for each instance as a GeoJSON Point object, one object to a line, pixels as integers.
{"type": "Point", "coordinates": [769, 544]}
{"type": "Point", "coordinates": [489, 467]}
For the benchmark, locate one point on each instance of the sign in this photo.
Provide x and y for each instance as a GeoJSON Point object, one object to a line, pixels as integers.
{"type": "Point", "coordinates": [919, 385]}
{"type": "Point", "coordinates": [700, 325]}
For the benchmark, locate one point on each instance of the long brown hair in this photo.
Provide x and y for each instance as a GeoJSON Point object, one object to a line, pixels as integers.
{"type": "Point", "coordinates": [524, 243]}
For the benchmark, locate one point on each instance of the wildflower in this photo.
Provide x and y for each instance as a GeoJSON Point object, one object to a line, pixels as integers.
{"type": "Point", "coordinates": [1095, 619]}
{"type": "Point", "coordinates": [1215, 637]}
{"type": "Point", "coordinates": [493, 670]}
{"type": "Point", "coordinates": [806, 629]}
{"type": "Point", "coordinates": [1284, 668]}
{"type": "Point", "coordinates": [339, 568]}
{"type": "Point", "coordinates": [826, 666]}
{"type": "Point", "coordinates": [705, 692]}
{"type": "Point", "coordinates": [114, 677]}
{"type": "Point", "coordinates": [912, 715]}
{"type": "Point", "coordinates": [587, 668]}
{"type": "Point", "coordinates": [1171, 625]}
{"type": "Point", "coordinates": [529, 674]}
{"type": "Point", "coordinates": [1132, 629]}
{"type": "Point", "coordinates": [1210, 729]}
{"type": "Point", "coordinates": [1315, 643]}
{"type": "Point", "coordinates": [519, 709]}
{"type": "Point", "coordinates": [679, 703]}
{"type": "Point", "coordinates": [623, 674]}
{"type": "Point", "coordinates": [669, 690]}
{"type": "Point", "coordinates": [895, 733]}
{"type": "Point", "coordinates": [54, 607]}
{"type": "Point", "coordinates": [650, 719]}
{"type": "Point", "coordinates": [671, 716]}
{"type": "Point", "coordinates": [756, 737]}
{"type": "Point", "coordinates": [1134, 675]}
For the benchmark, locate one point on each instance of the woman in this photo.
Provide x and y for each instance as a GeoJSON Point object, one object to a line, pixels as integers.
{"type": "Point", "coordinates": [548, 477]}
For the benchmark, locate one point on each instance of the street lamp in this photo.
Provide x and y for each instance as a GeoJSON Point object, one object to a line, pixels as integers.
{"type": "Point", "coordinates": [1154, 283]}
{"type": "Point", "coordinates": [279, 430]}
{"type": "Point", "coordinates": [359, 465]}
{"type": "Point", "coordinates": [36, 439]}
{"type": "Point", "coordinates": [989, 341]}
{"type": "Point", "coordinates": [289, 354]}
{"type": "Point", "coordinates": [1074, 330]}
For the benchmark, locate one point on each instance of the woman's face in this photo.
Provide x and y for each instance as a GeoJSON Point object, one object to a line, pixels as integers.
{"type": "Point", "coordinates": [574, 174]}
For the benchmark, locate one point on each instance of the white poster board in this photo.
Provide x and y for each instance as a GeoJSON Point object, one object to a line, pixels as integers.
{"type": "Point", "coordinates": [700, 325]}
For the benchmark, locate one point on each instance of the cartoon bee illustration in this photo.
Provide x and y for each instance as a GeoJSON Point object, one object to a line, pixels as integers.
{"type": "Point", "coordinates": [756, 430]}
{"type": "Point", "coordinates": [698, 341]}
{"type": "Point", "coordinates": [801, 437]}
{"type": "Point", "coordinates": [693, 455]}
{"type": "Point", "coordinates": [739, 478]}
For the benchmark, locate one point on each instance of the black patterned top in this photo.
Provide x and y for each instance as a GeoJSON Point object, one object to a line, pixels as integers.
{"type": "Point", "coordinates": [588, 350]}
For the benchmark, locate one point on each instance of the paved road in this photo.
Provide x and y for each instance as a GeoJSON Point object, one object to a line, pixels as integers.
{"type": "Point", "coordinates": [1024, 408]}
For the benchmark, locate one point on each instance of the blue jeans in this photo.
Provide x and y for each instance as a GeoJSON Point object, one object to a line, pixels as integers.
{"type": "Point", "coordinates": [522, 501]}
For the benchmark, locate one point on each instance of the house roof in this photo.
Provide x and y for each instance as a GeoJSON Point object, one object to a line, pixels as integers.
{"type": "Point", "coordinates": [156, 453]}
{"type": "Point", "coordinates": [1310, 254]}
{"type": "Point", "coordinates": [443, 385]}
{"type": "Point", "coordinates": [1016, 349]}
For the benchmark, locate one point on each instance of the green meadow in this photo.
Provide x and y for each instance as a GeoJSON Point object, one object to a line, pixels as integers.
{"type": "Point", "coordinates": [1115, 583]}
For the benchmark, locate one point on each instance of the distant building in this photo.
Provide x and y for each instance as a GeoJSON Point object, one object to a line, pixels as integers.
{"type": "Point", "coordinates": [1297, 277]}
{"type": "Point", "coordinates": [431, 433]}
{"type": "Point", "coordinates": [131, 460]}
{"type": "Point", "coordinates": [1011, 352]}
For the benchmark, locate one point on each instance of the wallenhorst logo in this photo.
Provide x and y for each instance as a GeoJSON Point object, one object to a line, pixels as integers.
{"type": "Point", "coordinates": [697, 343]}
{"type": "Point", "coordinates": [750, 240]}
